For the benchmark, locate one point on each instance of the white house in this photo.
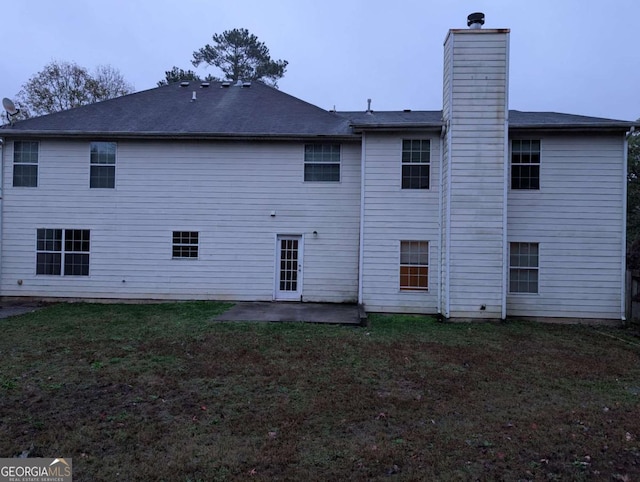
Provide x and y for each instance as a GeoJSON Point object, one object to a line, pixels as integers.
{"type": "Point", "coordinates": [225, 191]}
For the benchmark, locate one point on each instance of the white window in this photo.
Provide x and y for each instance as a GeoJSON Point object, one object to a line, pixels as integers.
{"type": "Point", "coordinates": [25, 164]}
{"type": "Point", "coordinates": [103, 165]}
{"type": "Point", "coordinates": [523, 267]}
{"type": "Point", "coordinates": [525, 164]}
{"type": "Point", "coordinates": [414, 265]}
{"type": "Point", "coordinates": [322, 162]}
{"type": "Point", "coordinates": [185, 244]}
{"type": "Point", "coordinates": [416, 159]}
{"type": "Point", "coordinates": [63, 248]}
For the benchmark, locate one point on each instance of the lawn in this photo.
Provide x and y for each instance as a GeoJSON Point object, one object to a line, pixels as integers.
{"type": "Point", "coordinates": [160, 392]}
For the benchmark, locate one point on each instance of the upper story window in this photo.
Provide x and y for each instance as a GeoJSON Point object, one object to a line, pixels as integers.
{"type": "Point", "coordinates": [322, 162]}
{"type": "Point", "coordinates": [523, 267]}
{"type": "Point", "coordinates": [103, 165]}
{"type": "Point", "coordinates": [416, 158]}
{"type": "Point", "coordinates": [185, 244]}
{"type": "Point", "coordinates": [63, 248]}
{"type": "Point", "coordinates": [25, 163]}
{"type": "Point", "coordinates": [525, 164]}
{"type": "Point", "coordinates": [414, 265]}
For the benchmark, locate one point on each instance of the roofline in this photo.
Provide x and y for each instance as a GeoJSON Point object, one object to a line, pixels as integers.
{"type": "Point", "coordinates": [10, 133]}
{"type": "Point", "coordinates": [621, 127]}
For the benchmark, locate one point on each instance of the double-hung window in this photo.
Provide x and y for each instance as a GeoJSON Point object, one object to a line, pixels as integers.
{"type": "Point", "coordinates": [63, 252]}
{"type": "Point", "coordinates": [322, 162]}
{"type": "Point", "coordinates": [523, 267]}
{"type": "Point", "coordinates": [185, 244]}
{"type": "Point", "coordinates": [416, 159]}
{"type": "Point", "coordinates": [414, 265]}
{"type": "Point", "coordinates": [525, 164]}
{"type": "Point", "coordinates": [103, 165]}
{"type": "Point", "coordinates": [25, 163]}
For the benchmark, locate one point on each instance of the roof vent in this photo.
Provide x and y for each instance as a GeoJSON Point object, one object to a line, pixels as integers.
{"type": "Point", "coordinates": [246, 84]}
{"type": "Point", "coordinates": [193, 96]}
{"type": "Point", "coordinates": [225, 84]}
{"type": "Point", "coordinates": [184, 83]}
{"type": "Point", "coordinates": [238, 83]}
{"type": "Point", "coordinates": [475, 21]}
{"type": "Point", "coordinates": [204, 85]}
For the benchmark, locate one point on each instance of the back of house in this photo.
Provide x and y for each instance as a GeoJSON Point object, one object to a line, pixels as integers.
{"type": "Point", "coordinates": [225, 191]}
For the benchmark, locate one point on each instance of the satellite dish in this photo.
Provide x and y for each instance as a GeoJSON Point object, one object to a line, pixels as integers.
{"type": "Point", "coordinates": [9, 106]}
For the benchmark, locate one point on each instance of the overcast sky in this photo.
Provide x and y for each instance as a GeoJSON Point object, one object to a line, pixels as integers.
{"type": "Point", "coordinates": [574, 56]}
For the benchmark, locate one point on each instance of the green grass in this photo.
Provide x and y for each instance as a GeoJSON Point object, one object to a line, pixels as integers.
{"type": "Point", "coordinates": [160, 392]}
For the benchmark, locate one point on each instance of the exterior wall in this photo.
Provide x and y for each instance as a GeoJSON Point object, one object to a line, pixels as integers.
{"type": "Point", "coordinates": [475, 99]}
{"type": "Point", "coordinates": [224, 190]}
{"type": "Point", "coordinates": [393, 214]}
{"type": "Point", "coordinates": [577, 217]}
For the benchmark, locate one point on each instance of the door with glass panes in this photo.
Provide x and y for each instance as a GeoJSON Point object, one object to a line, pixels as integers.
{"type": "Point", "coordinates": [288, 268]}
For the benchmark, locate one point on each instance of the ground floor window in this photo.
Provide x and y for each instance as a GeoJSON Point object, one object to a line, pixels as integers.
{"type": "Point", "coordinates": [63, 252]}
{"type": "Point", "coordinates": [414, 265]}
{"type": "Point", "coordinates": [185, 244]}
{"type": "Point", "coordinates": [523, 267]}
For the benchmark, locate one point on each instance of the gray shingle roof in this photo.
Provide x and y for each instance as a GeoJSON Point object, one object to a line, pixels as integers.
{"type": "Point", "coordinates": [255, 111]}
{"type": "Point", "coordinates": [517, 120]}
{"type": "Point", "coordinates": [258, 111]}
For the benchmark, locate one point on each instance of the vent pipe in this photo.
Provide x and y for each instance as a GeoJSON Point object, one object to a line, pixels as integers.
{"type": "Point", "coordinates": [475, 21]}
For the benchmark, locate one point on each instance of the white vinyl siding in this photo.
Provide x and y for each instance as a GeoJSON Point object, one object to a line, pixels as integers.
{"type": "Point", "coordinates": [391, 215]}
{"type": "Point", "coordinates": [577, 218]}
{"type": "Point", "coordinates": [225, 191]}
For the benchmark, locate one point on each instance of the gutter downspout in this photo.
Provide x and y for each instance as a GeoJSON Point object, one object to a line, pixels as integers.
{"type": "Point", "coordinates": [443, 132]}
{"type": "Point", "coordinates": [623, 263]}
{"type": "Point", "coordinates": [505, 241]}
{"type": "Point", "coordinates": [447, 231]}
{"type": "Point", "coordinates": [361, 245]}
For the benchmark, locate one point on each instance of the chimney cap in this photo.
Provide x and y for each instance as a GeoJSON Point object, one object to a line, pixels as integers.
{"type": "Point", "coordinates": [475, 20]}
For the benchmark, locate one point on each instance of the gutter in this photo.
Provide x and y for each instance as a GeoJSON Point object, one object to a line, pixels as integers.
{"type": "Point", "coordinates": [29, 134]}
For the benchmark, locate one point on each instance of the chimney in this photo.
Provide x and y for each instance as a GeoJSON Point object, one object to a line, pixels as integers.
{"type": "Point", "coordinates": [475, 97]}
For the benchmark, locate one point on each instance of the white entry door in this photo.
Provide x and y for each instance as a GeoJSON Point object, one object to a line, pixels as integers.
{"type": "Point", "coordinates": [288, 268]}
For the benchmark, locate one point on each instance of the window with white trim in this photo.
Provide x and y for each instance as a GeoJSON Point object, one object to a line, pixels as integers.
{"type": "Point", "coordinates": [185, 244]}
{"type": "Point", "coordinates": [322, 162]}
{"type": "Point", "coordinates": [102, 165]}
{"type": "Point", "coordinates": [523, 267]}
{"type": "Point", "coordinates": [525, 164]}
{"type": "Point", "coordinates": [63, 252]}
{"type": "Point", "coordinates": [25, 163]}
{"type": "Point", "coordinates": [414, 265]}
{"type": "Point", "coordinates": [416, 159]}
